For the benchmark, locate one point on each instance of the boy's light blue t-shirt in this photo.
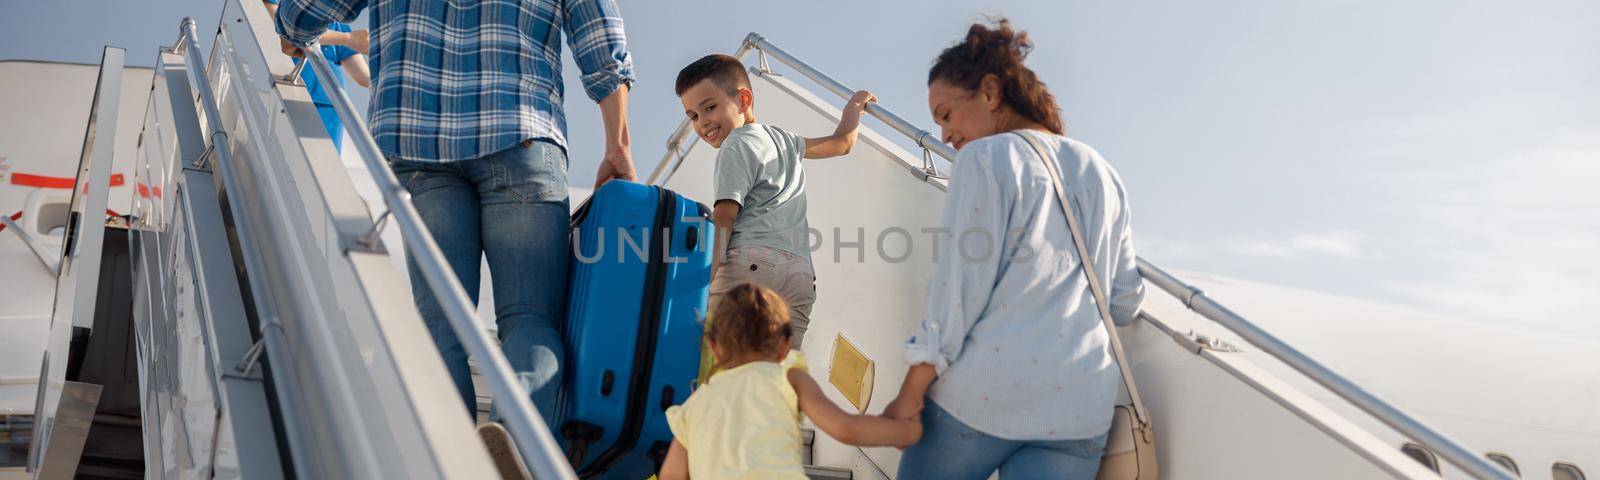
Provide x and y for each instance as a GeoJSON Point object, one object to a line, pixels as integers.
{"type": "Point", "coordinates": [759, 167]}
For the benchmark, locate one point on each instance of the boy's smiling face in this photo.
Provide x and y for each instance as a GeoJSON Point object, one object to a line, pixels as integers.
{"type": "Point", "coordinates": [714, 112]}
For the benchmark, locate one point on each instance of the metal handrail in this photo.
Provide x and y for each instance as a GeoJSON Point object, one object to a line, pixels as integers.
{"type": "Point", "coordinates": [53, 264]}
{"type": "Point", "coordinates": [923, 138]}
{"type": "Point", "coordinates": [534, 441]}
{"type": "Point", "coordinates": [273, 339]}
{"type": "Point", "coordinates": [1196, 300]}
{"type": "Point", "coordinates": [1453, 451]}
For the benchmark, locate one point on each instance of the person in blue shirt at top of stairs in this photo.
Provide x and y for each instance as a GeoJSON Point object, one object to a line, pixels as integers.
{"type": "Point", "coordinates": [346, 48]}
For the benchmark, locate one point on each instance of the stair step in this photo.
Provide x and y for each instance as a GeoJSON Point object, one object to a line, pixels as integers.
{"type": "Point", "coordinates": [827, 473]}
{"type": "Point", "coordinates": [481, 387]}
{"type": "Point", "coordinates": [808, 449]}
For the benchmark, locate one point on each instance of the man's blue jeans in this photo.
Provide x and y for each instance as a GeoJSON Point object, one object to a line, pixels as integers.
{"type": "Point", "coordinates": [950, 449]}
{"type": "Point", "coordinates": [512, 207]}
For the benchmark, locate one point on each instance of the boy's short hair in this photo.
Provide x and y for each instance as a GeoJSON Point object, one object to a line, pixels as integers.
{"type": "Point", "coordinates": [750, 319]}
{"type": "Point", "coordinates": [723, 70]}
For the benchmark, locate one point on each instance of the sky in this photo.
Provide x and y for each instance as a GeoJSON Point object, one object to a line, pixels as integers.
{"type": "Point", "coordinates": [1434, 153]}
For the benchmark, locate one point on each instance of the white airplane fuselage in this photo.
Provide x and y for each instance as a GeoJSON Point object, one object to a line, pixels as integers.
{"type": "Point", "coordinates": [1527, 395]}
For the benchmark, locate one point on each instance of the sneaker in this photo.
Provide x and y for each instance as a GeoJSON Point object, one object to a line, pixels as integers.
{"type": "Point", "coordinates": [504, 453]}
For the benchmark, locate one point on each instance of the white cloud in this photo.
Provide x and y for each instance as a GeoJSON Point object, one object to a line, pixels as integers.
{"type": "Point", "coordinates": [1335, 244]}
{"type": "Point", "coordinates": [1157, 246]}
{"type": "Point", "coordinates": [1342, 245]}
{"type": "Point", "coordinates": [1512, 241]}
{"type": "Point", "coordinates": [1265, 249]}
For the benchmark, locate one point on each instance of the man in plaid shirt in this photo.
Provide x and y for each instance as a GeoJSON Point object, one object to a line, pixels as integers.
{"type": "Point", "coordinates": [466, 104]}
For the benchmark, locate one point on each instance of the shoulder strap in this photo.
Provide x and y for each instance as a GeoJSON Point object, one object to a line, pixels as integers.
{"type": "Point", "coordinates": [1095, 287]}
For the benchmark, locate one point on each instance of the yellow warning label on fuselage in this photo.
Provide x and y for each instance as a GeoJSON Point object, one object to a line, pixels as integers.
{"type": "Point", "coordinates": [850, 371]}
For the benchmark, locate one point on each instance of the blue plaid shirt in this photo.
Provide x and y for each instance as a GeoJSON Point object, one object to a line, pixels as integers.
{"type": "Point", "coordinates": [461, 80]}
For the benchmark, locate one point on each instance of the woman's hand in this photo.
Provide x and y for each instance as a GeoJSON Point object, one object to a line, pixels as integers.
{"type": "Point", "coordinates": [907, 409]}
{"type": "Point", "coordinates": [908, 404]}
{"type": "Point", "coordinates": [904, 407]}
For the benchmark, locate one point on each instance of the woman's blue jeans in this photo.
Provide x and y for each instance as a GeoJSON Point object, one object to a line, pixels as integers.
{"type": "Point", "coordinates": [510, 206]}
{"type": "Point", "coordinates": [950, 449]}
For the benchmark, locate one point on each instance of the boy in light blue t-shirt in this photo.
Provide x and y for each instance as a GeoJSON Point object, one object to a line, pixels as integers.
{"type": "Point", "coordinates": [760, 185]}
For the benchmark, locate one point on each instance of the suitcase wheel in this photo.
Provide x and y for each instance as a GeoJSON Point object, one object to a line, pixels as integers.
{"type": "Point", "coordinates": [580, 435]}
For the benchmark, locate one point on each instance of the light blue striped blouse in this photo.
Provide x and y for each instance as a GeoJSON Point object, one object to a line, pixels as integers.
{"type": "Point", "coordinates": [1013, 331]}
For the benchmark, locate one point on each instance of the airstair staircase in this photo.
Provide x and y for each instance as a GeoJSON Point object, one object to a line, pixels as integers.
{"type": "Point", "coordinates": [273, 336]}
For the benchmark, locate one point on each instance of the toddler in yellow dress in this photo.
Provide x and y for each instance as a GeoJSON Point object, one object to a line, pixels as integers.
{"type": "Point", "coordinates": [745, 421]}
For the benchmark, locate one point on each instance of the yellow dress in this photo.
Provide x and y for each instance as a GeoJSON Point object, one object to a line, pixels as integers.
{"type": "Point", "coordinates": [743, 424]}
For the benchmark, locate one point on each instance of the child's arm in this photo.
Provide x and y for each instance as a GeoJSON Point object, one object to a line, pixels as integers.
{"type": "Point", "coordinates": [843, 137]}
{"type": "Point", "coordinates": [356, 68]}
{"type": "Point", "coordinates": [357, 40]}
{"type": "Point", "coordinates": [858, 430]}
{"type": "Point", "coordinates": [676, 466]}
{"type": "Point", "coordinates": [723, 214]}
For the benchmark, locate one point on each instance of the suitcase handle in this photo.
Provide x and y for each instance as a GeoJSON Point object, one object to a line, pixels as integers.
{"type": "Point", "coordinates": [581, 213]}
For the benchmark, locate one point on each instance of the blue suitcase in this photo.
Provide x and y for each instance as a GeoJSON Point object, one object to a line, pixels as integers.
{"type": "Point", "coordinates": [634, 323]}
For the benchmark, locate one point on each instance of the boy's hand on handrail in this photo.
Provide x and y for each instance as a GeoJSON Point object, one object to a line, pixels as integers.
{"type": "Point", "coordinates": [858, 103]}
{"type": "Point", "coordinates": [844, 137]}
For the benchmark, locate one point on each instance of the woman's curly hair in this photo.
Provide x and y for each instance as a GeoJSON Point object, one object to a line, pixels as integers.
{"type": "Point", "coordinates": [999, 50]}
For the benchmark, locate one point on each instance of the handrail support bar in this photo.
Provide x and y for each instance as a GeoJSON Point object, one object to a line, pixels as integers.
{"type": "Point", "coordinates": [1453, 451]}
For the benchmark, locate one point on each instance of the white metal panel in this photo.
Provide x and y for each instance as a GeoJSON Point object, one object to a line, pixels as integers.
{"type": "Point", "coordinates": [43, 107]}
{"type": "Point", "coordinates": [76, 286]}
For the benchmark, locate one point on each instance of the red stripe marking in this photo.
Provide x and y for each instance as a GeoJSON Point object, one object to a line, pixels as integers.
{"type": "Point", "coordinates": [145, 190]}
{"type": "Point", "coordinates": [14, 218]}
{"type": "Point", "coordinates": [43, 181]}
{"type": "Point", "coordinates": [40, 181]}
